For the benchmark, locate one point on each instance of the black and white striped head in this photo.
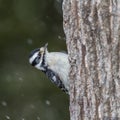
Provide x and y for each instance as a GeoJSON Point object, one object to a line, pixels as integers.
{"type": "Point", "coordinates": [37, 57]}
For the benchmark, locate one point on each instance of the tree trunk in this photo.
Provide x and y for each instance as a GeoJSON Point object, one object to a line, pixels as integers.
{"type": "Point", "coordinates": [92, 29]}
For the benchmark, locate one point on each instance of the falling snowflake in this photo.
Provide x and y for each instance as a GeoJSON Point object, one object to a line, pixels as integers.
{"type": "Point", "coordinates": [30, 41]}
{"type": "Point", "coordinates": [4, 103]}
{"type": "Point", "coordinates": [47, 102]}
{"type": "Point", "coordinates": [7, 117]}
{"type": "Point", "coordinates": [38, 118]}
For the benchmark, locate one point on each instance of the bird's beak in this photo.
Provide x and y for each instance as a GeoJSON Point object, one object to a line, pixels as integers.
{"type": "Point", "coordinates": [46, 45]}
{"type": "Point", "coordinates": [43, 49]}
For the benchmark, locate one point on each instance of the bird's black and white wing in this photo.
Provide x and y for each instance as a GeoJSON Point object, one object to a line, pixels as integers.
{"type": "Point", "coordinates": [54, 78]}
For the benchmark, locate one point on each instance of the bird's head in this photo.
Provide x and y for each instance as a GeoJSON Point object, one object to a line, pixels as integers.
{"type": "Point", "coordinates": [37, 57]}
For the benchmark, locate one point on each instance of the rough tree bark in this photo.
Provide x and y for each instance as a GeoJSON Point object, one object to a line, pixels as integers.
{"type": "Point", "coordinates": [92, 29]}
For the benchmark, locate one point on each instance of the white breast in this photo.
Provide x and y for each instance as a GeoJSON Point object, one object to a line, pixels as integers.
{"type": "Point", "coordinates": [58, 62]}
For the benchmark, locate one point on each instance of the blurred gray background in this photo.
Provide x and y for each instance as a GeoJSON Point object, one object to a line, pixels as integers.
{"type": "Point", "coordinates": [26, 93]}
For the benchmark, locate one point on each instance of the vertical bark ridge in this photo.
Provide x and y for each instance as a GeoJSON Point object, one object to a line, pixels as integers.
{"type": "Point", "coordinates": [93, 42]}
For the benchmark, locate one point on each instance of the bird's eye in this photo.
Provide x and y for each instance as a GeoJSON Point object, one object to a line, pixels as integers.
{"type": "Point", "coordinates": [39, 54]}
{"type": "Point", "coordinates": [36, 61]}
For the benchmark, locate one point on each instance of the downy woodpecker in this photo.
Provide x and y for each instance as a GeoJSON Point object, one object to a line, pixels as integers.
{"type": "Point", "coordinates": [54, 64]}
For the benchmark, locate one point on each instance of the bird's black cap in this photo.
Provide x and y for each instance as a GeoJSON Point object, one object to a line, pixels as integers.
{"type": "Point", "coordinates": [34, 51]}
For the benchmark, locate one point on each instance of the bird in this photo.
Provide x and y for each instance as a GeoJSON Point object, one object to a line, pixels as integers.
{"type": "Point", "coordinates": [55, 65]}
